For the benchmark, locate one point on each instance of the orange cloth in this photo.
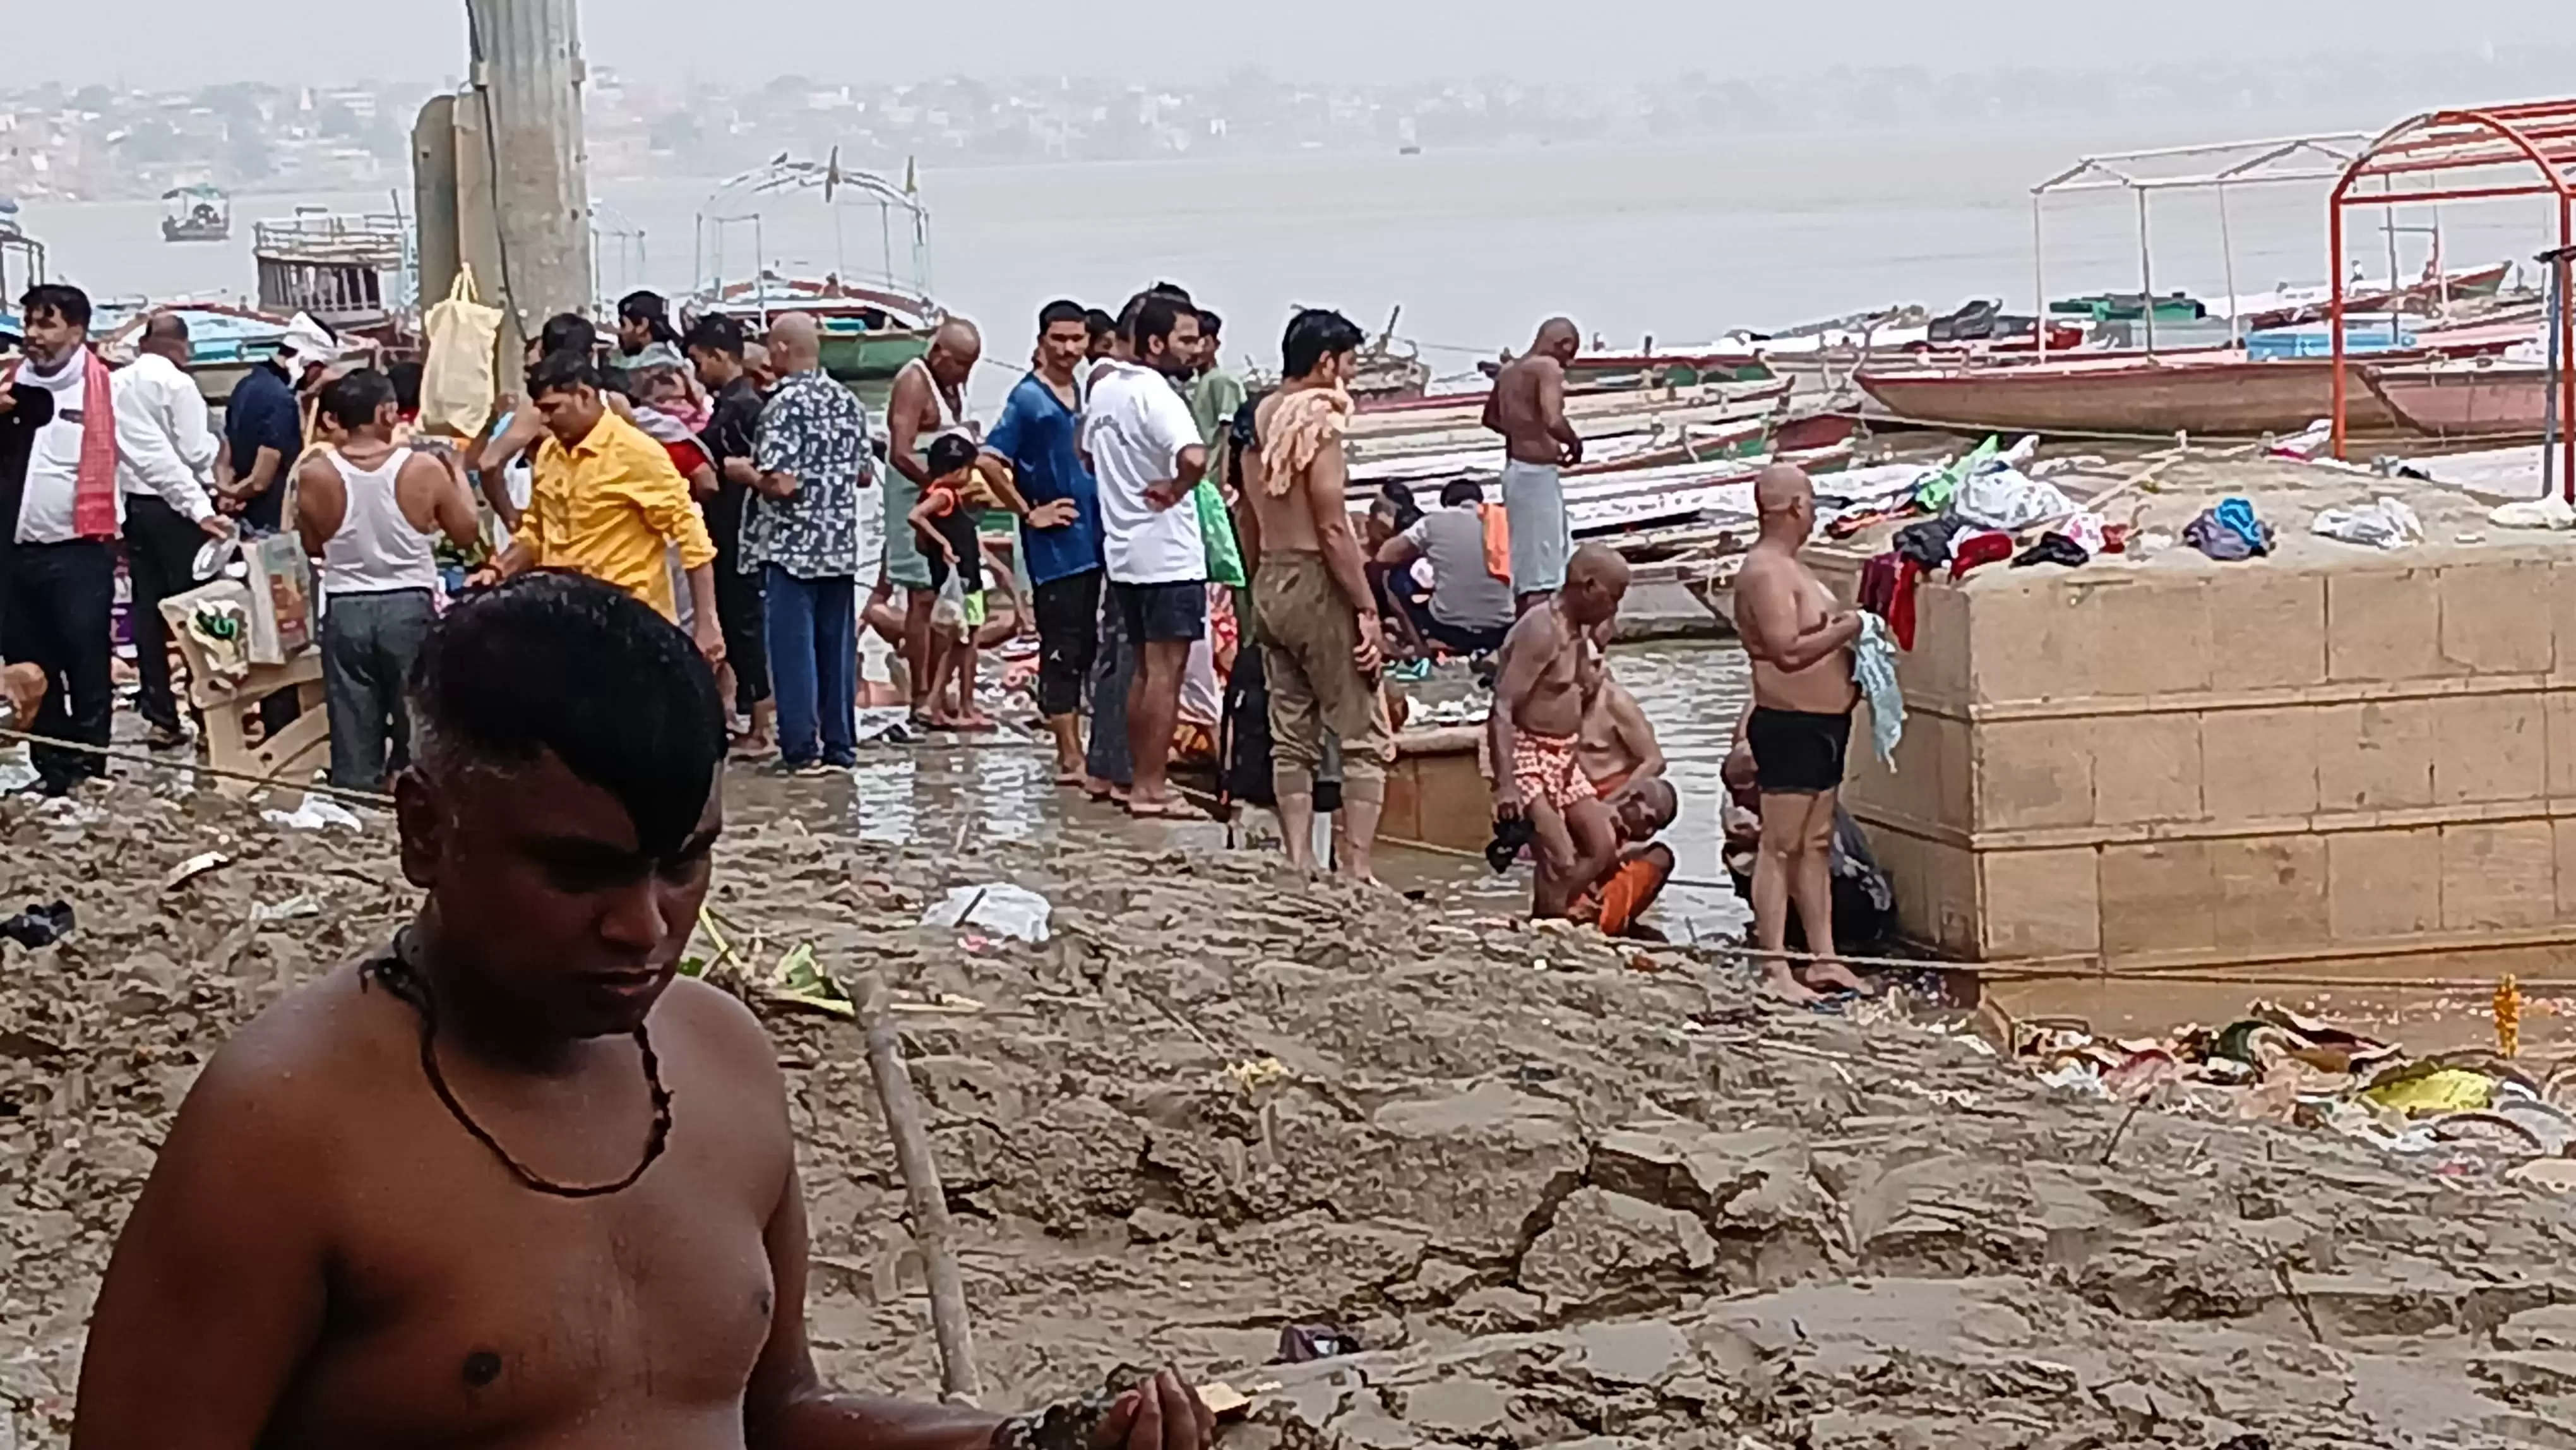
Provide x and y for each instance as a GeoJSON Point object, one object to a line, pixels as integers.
{"type": "Point", "coordinates": [1302, 424]}
{"type": "Point", "coordinates": [1498, 540]}
{"type": "Point", "coordinates": [1631, 889]}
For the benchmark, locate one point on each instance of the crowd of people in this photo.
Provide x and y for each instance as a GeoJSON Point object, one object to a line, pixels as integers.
{"type": "Point", "coordinates": [392, 1202]}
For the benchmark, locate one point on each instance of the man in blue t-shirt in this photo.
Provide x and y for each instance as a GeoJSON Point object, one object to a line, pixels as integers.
{"type": "Point", "coordinates": [1038, 436]}
{"type": "Point", "coordinates": [264, 426]}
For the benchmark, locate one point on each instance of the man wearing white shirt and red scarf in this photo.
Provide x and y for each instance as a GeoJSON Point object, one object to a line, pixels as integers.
{"type": "Point", "coordinates": [165, 456]}
{"type": "Point", "coordinates": [58, 486]}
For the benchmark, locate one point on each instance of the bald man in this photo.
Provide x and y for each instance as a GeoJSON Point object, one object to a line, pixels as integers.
{"type": "Point", "coordinates": [165, 460]}
{"type": "Point", "coordinates": [801, 530]}
{"type": "Point", "coordinates": [929, 399]}
{"type": "Point", "coordinates": [1527, 406]}
{"type": "Point", "coordinates": [1550, 670]}
{"type": "Point", "coordinates": [1800, 640]}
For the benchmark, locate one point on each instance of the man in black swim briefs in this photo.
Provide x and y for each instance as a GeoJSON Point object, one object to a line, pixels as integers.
{"type": "Point", "coordinates": [1800, 728]}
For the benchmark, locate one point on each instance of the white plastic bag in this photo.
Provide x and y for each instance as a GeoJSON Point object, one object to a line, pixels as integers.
{"type": "Point", "coordinates": [2003, 497]}
{"type": "Point", "coordinates": [1000, 908]}
{"type": "Point", "coordinates": [456, 377]}
{"type": "Point", "coordinates": [2386, 524]}
{"type": "Point", "coordinates": [948, 616]}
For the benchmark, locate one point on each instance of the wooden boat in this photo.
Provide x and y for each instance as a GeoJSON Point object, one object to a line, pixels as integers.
{"type": "Point", "coordinates": [1656, 368]}
{"type": "Point", "coordinates": [195, 214]}
{"type": "Point", "coordinates": [872, 323]}
{"type": "Point", "coordinates": [351, 273]}
{"type": "Point", "coordinates": [2291, 306]}
{"type": "Point", "coordinates": [2480, 398]}
{"type": "Point", "coordinates": [869, 333]}
{"type": "Point", "coordinates": [2217, 393]}
{"type": "Point", "coordinates": [1465, 413]}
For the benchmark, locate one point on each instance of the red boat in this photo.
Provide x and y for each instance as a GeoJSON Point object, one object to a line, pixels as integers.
{"type": "Point", "coordinates": [2483, 398]}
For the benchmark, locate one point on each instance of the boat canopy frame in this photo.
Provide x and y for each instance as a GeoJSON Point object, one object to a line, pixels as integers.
{"type": "Point", "coordinates": [2524, 149]}
{"type": "Point", "coordinates": [739, 201]}
{"type": "Point", "coordinates": [2210, 166]}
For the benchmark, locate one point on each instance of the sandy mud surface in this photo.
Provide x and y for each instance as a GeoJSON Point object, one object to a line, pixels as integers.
{"type": "Point", "coordinates": [1565, 1193]}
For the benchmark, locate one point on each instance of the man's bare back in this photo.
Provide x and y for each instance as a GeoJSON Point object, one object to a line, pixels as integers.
{"type": "Point", "coordinates": [1527, 404]}
{"type": "Point", "coordinates": [1283, 511]}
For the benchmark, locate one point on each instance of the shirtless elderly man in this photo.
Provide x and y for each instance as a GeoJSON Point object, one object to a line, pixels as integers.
{"type": "Point", "coordinates": [1527, 406]}
{"type": "Point", "coordinates": [1550, 671]}
{"type": "Point", "coordinates": [508, 1180]}
{"type": "Point", "coordinates": [1800, 639]}
{"type": "Point", "coordinates": [1311, 594]}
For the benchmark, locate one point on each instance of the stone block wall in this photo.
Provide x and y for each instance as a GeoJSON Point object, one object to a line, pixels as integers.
{"type": "Point", "coordinates": [2327, 754]}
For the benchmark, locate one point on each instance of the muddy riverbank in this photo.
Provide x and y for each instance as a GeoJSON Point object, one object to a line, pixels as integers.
{"type": "Point", "coordinates": [1565, 1192]}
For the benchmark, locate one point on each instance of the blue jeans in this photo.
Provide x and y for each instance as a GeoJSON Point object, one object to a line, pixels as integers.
{"type": "Point", "coordinates": [814, 666]}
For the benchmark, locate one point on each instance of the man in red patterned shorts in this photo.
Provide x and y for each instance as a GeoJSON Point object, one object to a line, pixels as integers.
{"type": "Point", "coordinates": [1550, 669]}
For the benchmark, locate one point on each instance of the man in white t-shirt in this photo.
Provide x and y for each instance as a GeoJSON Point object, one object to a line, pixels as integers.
{"type": "Point", "coordinates": [1146, 455]}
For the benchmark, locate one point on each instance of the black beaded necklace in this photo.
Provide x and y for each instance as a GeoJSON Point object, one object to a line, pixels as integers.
{"type": "Point", "coordinates": [395, 972]}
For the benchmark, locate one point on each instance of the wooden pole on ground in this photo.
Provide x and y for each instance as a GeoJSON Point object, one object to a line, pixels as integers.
{"type": "Point", "coordinates": [933, 1232]}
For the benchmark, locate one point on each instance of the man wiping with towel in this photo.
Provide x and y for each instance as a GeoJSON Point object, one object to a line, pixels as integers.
{"type": "Point", "coordinates": [58, 492]}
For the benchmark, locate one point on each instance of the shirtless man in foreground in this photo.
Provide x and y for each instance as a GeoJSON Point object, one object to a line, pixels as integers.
{"type": "Point", "coordinates": [507, 1182]}
{"type": "Point", "coordinates": [1550, 668]}
{"type": "Point", "coordinates": [1311, 595]}
{"type": "Point", "coordinates": [1527, 406]}
{"type": "Point", "coordinates": [1800, 729]}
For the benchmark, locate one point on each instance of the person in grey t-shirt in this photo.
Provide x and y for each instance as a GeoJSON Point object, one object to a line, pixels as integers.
{"type": "Point", "coordinates": [1470, 608]}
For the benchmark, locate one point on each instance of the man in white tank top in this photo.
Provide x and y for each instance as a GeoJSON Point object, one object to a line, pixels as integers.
{"type": "Point", "coordinates": [371, 513]}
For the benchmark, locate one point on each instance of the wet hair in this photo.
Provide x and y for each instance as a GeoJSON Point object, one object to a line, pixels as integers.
{"type": "Point", "coordinates": [948, 453]}
{"type": "Point", "coordinates": [1398, 497]}
{"type": "Point", "coordinates": [1153, 315]}
{"type": "Point", "coordinates": [1314, 335]}
{"type": "Point", "coordinates": [563, 371]}
{"type": "Point", "coordinates": [1098, 322]}
{"type": "Point", "coordinates": [561, 663]}
{"type": "Point", "coordinates": [59, 300]}
{"type": "Point", "coordinates": [405, 376]}
{"type": "Point", "coordinates": [1063, 311]}
{"type": "Point", "coordinates": [717, 333]}
{"type": "Point", "coordinates": [354, 398]}
{"type": "Point", "coordinates": [649, 309]}
{"type": "Point", "coordinates": [1459, 492]}
{"type": "Point", "coordinates": [165, 327]}
{"type": "Point", "coordinates": [567, 332]}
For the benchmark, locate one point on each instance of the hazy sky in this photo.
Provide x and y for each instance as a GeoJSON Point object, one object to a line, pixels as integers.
{"type": "Point", "coordinates": [165, 42]}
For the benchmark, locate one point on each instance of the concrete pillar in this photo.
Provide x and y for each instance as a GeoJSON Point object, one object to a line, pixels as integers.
{"type": "Point", "coordinates": [528, 74]}
{"type": "Point", "coordinates": [433, 188]}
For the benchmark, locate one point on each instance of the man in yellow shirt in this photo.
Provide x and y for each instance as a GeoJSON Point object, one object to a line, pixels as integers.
{"type": "Point", "coordinates": [608, 503]}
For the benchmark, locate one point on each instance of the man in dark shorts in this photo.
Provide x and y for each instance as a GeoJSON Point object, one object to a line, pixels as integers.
{"type": "Point", "coordinates": [1037, 436]}
{"type": "Point", "coordinates": [1147, 456]}
{"type": "Point", "coordinates": [1800, 729]}
{"type": "Point", "coordinates": [732, 437]}
{"type": "Point", "coordinates": [509, 1181]}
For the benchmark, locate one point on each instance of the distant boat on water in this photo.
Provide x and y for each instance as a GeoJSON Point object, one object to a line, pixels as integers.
{"type": "Point", "coordinates": [195, 214]}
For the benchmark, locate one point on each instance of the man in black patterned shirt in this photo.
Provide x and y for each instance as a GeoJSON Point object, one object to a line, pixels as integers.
{"type": "Point", "coordinates": [733, 439]}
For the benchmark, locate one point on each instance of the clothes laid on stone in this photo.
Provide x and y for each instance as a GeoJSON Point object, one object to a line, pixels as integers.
{"type": "Point", "coordinates": [2004, 497]}
{"type": "Point", "coordinates": [2385, 523]}
{"type": "Point", "coordinates": [1887, 584]}
{"type": "Point", "coordinates": [2229, 532]}
{"type": "Point", "coordinates": [1874, 670]}
{"type": "Point", "coordinates": [1973, 551]}
{"type": "Point", "coordinates": [2053, 548]}
{"type": "Point", "coordinates": [1929, 543]}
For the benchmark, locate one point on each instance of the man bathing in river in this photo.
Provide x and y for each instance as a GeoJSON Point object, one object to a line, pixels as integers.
{"type": "Point", "coordinates": [1550, 668]}
{"type": "Point", "coordinates": [1527, 406]}
{"type": "Point", "coordinates": [508, 1182]}
{"type": "Point", "coordinates": [1800, 729]}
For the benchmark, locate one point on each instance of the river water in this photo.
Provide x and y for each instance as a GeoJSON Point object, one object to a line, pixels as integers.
{"type": "Point", "coordinates": [1682, 243]}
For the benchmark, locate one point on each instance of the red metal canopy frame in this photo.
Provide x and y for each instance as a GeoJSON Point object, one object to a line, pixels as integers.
{"type": "Point", "coordinates": [2526, 150]}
